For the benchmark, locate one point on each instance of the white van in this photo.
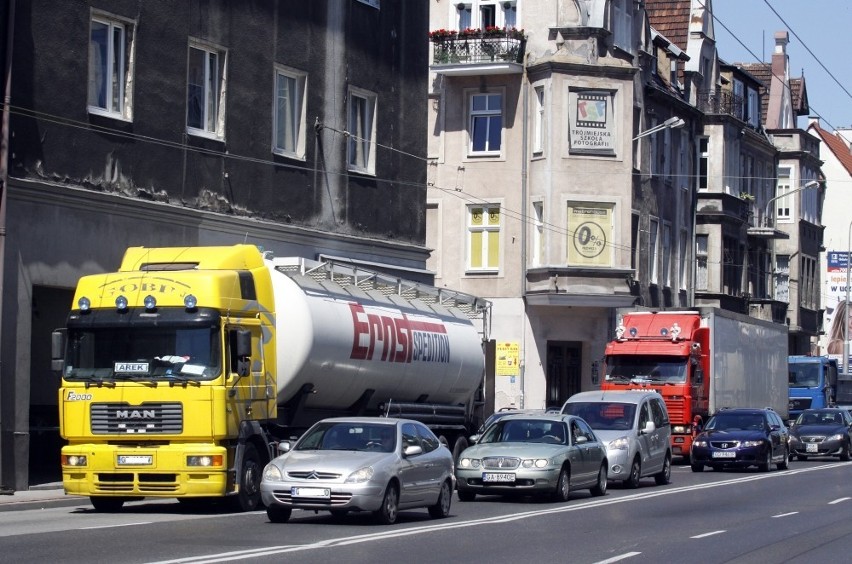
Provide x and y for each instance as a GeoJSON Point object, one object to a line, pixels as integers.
{"type": "Point", "coordinates": [634, 426]}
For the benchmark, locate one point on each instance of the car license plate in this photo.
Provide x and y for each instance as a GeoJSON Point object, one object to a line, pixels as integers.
{"type": "Point", "coordinates": [135, 460]}
{"type": "Point", "coordinates": [321, 493]}
{"type": "Point", "coordinates": [497, 477]}
{"type": "Point", "coordinates": [811, 447]}
{"type": "Point", "coordinates": [724, 454]}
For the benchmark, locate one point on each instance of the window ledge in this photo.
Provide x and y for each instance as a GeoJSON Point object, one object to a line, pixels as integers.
{"type": "Point", "coordinates": [100, 112]}
{"type": "Point", "coordinates": [205, 134]}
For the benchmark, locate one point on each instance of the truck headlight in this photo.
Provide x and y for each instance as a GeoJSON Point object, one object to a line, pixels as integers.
{"type": "Point", "coordinates": [205, 460]}
{"type": "Point", "coordinates": [74, 460]}
{"type": "Point", "coordinates": [682, 429]}
{"type": "Point", "coordinates": [272, 473]}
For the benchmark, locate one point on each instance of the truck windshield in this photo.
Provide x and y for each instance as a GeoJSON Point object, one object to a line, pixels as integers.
{"type": "Point", "coordinates": [149, 353]}
{"type": "Point", "coordinates": [645, 368]}
{"type": "Point", "coordinates": [803, 375]}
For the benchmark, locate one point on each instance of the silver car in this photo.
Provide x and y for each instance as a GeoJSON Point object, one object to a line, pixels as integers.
{"type": "Point", "coordinates": [372, 464]}
{"type": "Point", "coordinates": [533, 454]}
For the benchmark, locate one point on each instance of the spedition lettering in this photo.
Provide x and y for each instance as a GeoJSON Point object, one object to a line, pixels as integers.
{"type": "Point", "coordinates": [387, 338]}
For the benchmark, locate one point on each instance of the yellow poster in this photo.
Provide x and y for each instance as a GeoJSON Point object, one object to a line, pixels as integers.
{"type": "Point", "coordinates": [589, 235]}
{"type": "Point", "coordinates": [508, 359]}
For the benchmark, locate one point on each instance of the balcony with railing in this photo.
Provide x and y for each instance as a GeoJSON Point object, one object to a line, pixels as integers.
{"type": "Point", "coordinates": [721, 102]}
{"type": "Point", "coordinates": [472, 52]}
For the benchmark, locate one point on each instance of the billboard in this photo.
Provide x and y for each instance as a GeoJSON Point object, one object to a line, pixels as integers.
{"type": "Point", "coordinates": [837, 267]}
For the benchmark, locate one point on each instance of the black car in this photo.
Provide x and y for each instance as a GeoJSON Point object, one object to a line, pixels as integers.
{"type": "Point", "coordinates": [738, 438]}
{"type": "Point", "coordinates": [822, 432]}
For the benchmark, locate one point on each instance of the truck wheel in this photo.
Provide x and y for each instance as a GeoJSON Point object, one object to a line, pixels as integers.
{"type": "Point", "coordinates": [632, 480]}
{"type": "Point", "coordinates": [107, 504]}
{"type": "Point", "coordinates": [458, 448]}
{"type": "Point", "coordinates": [389, 511]}
{"type": "Point", "coordinates": [250, 475]}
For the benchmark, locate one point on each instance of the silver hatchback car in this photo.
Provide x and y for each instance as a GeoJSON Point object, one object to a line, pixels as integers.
{"type": "Point", "coordinates": [372, 464]}
{"type": "Point", "coordinates": [634, 426]}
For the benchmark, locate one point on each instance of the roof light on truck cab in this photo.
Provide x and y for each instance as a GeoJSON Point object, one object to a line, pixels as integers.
{"type": "Point", "coordinates": [121, 303]}
{"type": "Point", "coordinates": [150, 302]}
{"type": "Point", "coordinates": [84, 304]}
{"type": "Point", "coordinates": [675, 331]}
{"type": "Point", "coordinates": [190, 301]}
{"type": "Point", "coordinates": [619, 331]}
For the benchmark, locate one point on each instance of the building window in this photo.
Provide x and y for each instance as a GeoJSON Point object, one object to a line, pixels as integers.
{"type": "Point", "coordinates": [784, 201]}
{"type": "Point", "coordinates": [667, 253]}
{"type": "Point", "coordinates": [808, 285]}
{"type": "Point", "coordinates": [682, 173]}
{"type": "Point", "coordinates": [782, 278]}
{"type": "Point", "coordinates": [683, 271]}
{"type": "Point", "coordinates": [110, 71]}
{"type": "Point", "coordinates": [483, 235]}
{"type": "Point", "coordinates": [538, 234]}
{"type": "Point", "coordinates": [732, 267]}
{"type": "Point", "coordinates": [538, 121]}
{"type": "Point", "coordinates": [653, 149]}
{"type": "Point", "coordinates": [486, 123]}
{"type": "Point", "coordinates": [703, 163]}
{"type": "Point", "coordinates": [205, 92]}
{"type": "Point", "coordinates": [289, 125]}
{"type": "Point", "coordinates": [362, 131]}
{"type": "Point", "coordinates": [487, 16]}
{"type": "Point", "coordinates": [510, 14]}
{"type": "Point", "coordinates": [753, 108]}
{"type": "Point", "coordinates": [464, 16]}
{"type": "Point", "coordinates": [702, 275]}
{"type": "Point", "coordinates": [622, 24]}
{"type": "Point", "coordinates": [653, 249]}
{"type": "Point", "coordinates": [634, 241]}
{"type": "Point", "coordinates": [434, 236]}
{"type": "Point", "coordinates": [739, 99]}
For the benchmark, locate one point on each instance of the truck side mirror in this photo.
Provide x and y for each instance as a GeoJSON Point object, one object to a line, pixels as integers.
{"type": "Point", "coordinates": [241, 351]}
{"type": "Point", "coordinates": [699, 375]}
{"type": "Point", "coordinates": [57, 350]}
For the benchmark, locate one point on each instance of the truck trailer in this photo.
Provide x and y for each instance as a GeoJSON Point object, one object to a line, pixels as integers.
{"type": "Point", "coordinates": [700, 361]}
{"type": "Point", "coordinates": [183, 370]}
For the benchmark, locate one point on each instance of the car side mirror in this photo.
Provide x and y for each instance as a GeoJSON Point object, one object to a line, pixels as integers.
{"type": "Point", "coordinates": [284, 447]}
{"type": "Point", "coordinates": [412, 450]}
{"type": "Point", "coordinates": [581, 439]}
{"type": "Point", "coordinates": [473, 439]}
{"type": "Point", "coordinates": [649, 427]}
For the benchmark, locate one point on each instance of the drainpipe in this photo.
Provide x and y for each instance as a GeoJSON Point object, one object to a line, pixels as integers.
{"type": "Point", "coordinates": [4, 185]}
{"type": "Point", "coordinates": [524, 225]}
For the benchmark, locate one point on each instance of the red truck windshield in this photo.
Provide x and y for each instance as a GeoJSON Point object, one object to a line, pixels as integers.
{"type": "Point", "coordinates": [645, 369]}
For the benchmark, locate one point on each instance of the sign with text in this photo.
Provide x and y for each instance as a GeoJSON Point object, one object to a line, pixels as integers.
{"type": "Point", "coordinates": [589, 235]}
{"type": "Point", "coordinates": [508, 359]}
{"type": "Point", "coordinates": [592, 123]}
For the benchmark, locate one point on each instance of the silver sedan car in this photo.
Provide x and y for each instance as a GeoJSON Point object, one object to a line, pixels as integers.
{"type": "Point", "coordinates": [375, 464]}
{"type": "Point", "coordinates": [524, 454]}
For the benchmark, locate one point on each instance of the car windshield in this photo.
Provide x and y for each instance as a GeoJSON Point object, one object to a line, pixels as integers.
{"type": "Point", "coordinates": [375, 437]}
{"type": "Point", "coordinates": [820, 418]}
{"type": "Point", "coordinates": [604, 415]}
{"type": "Point", "coordinates": [737, 422]}
{"type": "Point", "coordinates": [514, 430]}
{"type": "Point", "coordinates": [646, 368]}
{"type": "Point", "coordinates": [803, 375]}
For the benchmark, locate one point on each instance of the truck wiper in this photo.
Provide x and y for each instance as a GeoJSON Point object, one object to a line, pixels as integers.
{"type": "Point", "coordinates": [619, 377]}
{"type": "Point", "coordinates": [175, 378]}
{"type": "Point", "coordinates": [99, 381]}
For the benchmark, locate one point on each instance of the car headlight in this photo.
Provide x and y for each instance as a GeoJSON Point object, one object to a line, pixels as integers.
{"type": "Point", "coordinates": [837, 437]}
{"type": "Point", "coordinates": [621, 443]}
{"type": "Point", "coordinates": [360, 475]}
{"type": "Point", "coordinates": [272, 473]}
{"type": "Point", "coordinates": [469, 463]}
{"type": "Point", "coordinates": [700, 443]}
{"type": "Point", "coordinates": [756, 443]}
{"type": "Point", "coordinates": [537, 462]}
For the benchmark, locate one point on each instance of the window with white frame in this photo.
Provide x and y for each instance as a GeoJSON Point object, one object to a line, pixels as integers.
{"type": "Point", "coordinates": [110, 69]}
{"type": "Point", "coordinates": [785, 200]}
{"type": "Point", "coordinates": [703, 163]}
{"type": "Point", "coordinates": [538, 121]}
{"type": "Point", "coordinates": [487, 14]}
{"type": "Point", "coordinates": [683, 271]}
{"type": "Point", "coordinates": [361, 126]}
{"type": "Point", "coordinates": [205, 103]}
{"type": "Point", "coordinates": [510, 14]}
{"type": "Point", "coordinates": [782, 278]}
{"type": "Point", "coordinates": [622, 24]}
{"type": "Point", "coordinates": [702, 275]}
{"type": "Point", "coordinates": [538, 234]}
{"type": "Point", "coordinates": [808, 285]}
{"type": "Point", "coordinates": [289, 118]}
{"type": "Point", "coordinates": [739, 99]}
{"type": "Point", "coordinates": [682, 173]}
{"type": "Point", "coordinates": [465, 15]}
{"type": "Point", "coordinates": [667, 253]}
{"type": "Point", "coordinates": [486, 123]}
{"type": "Point", "coordinates": [483, 236]}
{"type": "Point", "coordinates": [653, 249]}
{"type": "Point", "coordinates": [753, 108]}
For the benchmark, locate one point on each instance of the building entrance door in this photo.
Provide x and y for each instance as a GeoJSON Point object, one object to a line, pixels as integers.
{"type": "Point", "coordinates": [563, 371]}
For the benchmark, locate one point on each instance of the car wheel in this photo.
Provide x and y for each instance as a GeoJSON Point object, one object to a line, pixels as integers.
{"type": "Point", "coordinates": [278, 513]}
{"type": "Point", "coordinates": [801, 457]}
{"type": "Point", "coordinates": [442, 507]}
{"type": "Point", "coordinates": [563, 486]}
{"type": "Point", "coordinates": [697, 467]}
{"type": "Point", "coordinates": [766, 465]}
{"type": "Point", "coordinates": [107, 504]}
{"type": "Point", "coordinates": [465, 495]}
{"type": "Point", "coordinates": [783, 464]}
{"type": "Point", "coordinates": [844, 456]}
{"type": "Point", "coordinates": [389, 511]}
{"type": "Point", "coordinates": [600, 488]}
{"type": "Point", "coordinates": [665, 475]}
{"type": "Point", "coordinates": [250, 475]}
{"type": "Point", "coordinates": [632, 481]}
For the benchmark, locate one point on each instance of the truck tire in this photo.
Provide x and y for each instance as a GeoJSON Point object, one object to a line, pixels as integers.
{"type": "Point", "coordinates": [107, 504]}
{"type": "Point", "coordinates": [250, 474]}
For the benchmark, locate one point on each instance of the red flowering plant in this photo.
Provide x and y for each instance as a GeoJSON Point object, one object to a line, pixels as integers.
{"type": "Point", "coordinates": [442, 34]}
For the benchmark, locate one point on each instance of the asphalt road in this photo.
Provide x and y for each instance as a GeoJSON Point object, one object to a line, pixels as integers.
{"type": "Point", "coordinates": [803, 514]}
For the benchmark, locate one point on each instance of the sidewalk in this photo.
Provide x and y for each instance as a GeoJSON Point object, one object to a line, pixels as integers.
{"type": "Point", "coordinates": [39, 497]}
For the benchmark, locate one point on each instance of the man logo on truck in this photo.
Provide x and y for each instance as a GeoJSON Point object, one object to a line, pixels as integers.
{"type": "Point", "coordinates": [401, 339]}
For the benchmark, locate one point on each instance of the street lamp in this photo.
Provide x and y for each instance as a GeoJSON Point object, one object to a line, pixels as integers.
{"type": "Point", "coordinates": [811, 184]}
{"type": "Point", "coordinates": [671, 123]}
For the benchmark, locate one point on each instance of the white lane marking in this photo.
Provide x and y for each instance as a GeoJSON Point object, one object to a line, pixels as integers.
{"type": "Point", "coordinates": [619, 557]}
{"type": "Point", "coordinates": [114, 526]}
{"type": "Point", "coordinates": [357, 539]}
{"type": "Point", "coordinates": [784, 514]}
{"type": "Point", "coordinates": [842, 499]}
{"type": "Point", "coordinates": [710, 534]}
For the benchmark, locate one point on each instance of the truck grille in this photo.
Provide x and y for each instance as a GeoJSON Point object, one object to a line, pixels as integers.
{"type": "Point", "coordinates": [677, 410]}
{"type": "Point", "coordinates": [146, 419]}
